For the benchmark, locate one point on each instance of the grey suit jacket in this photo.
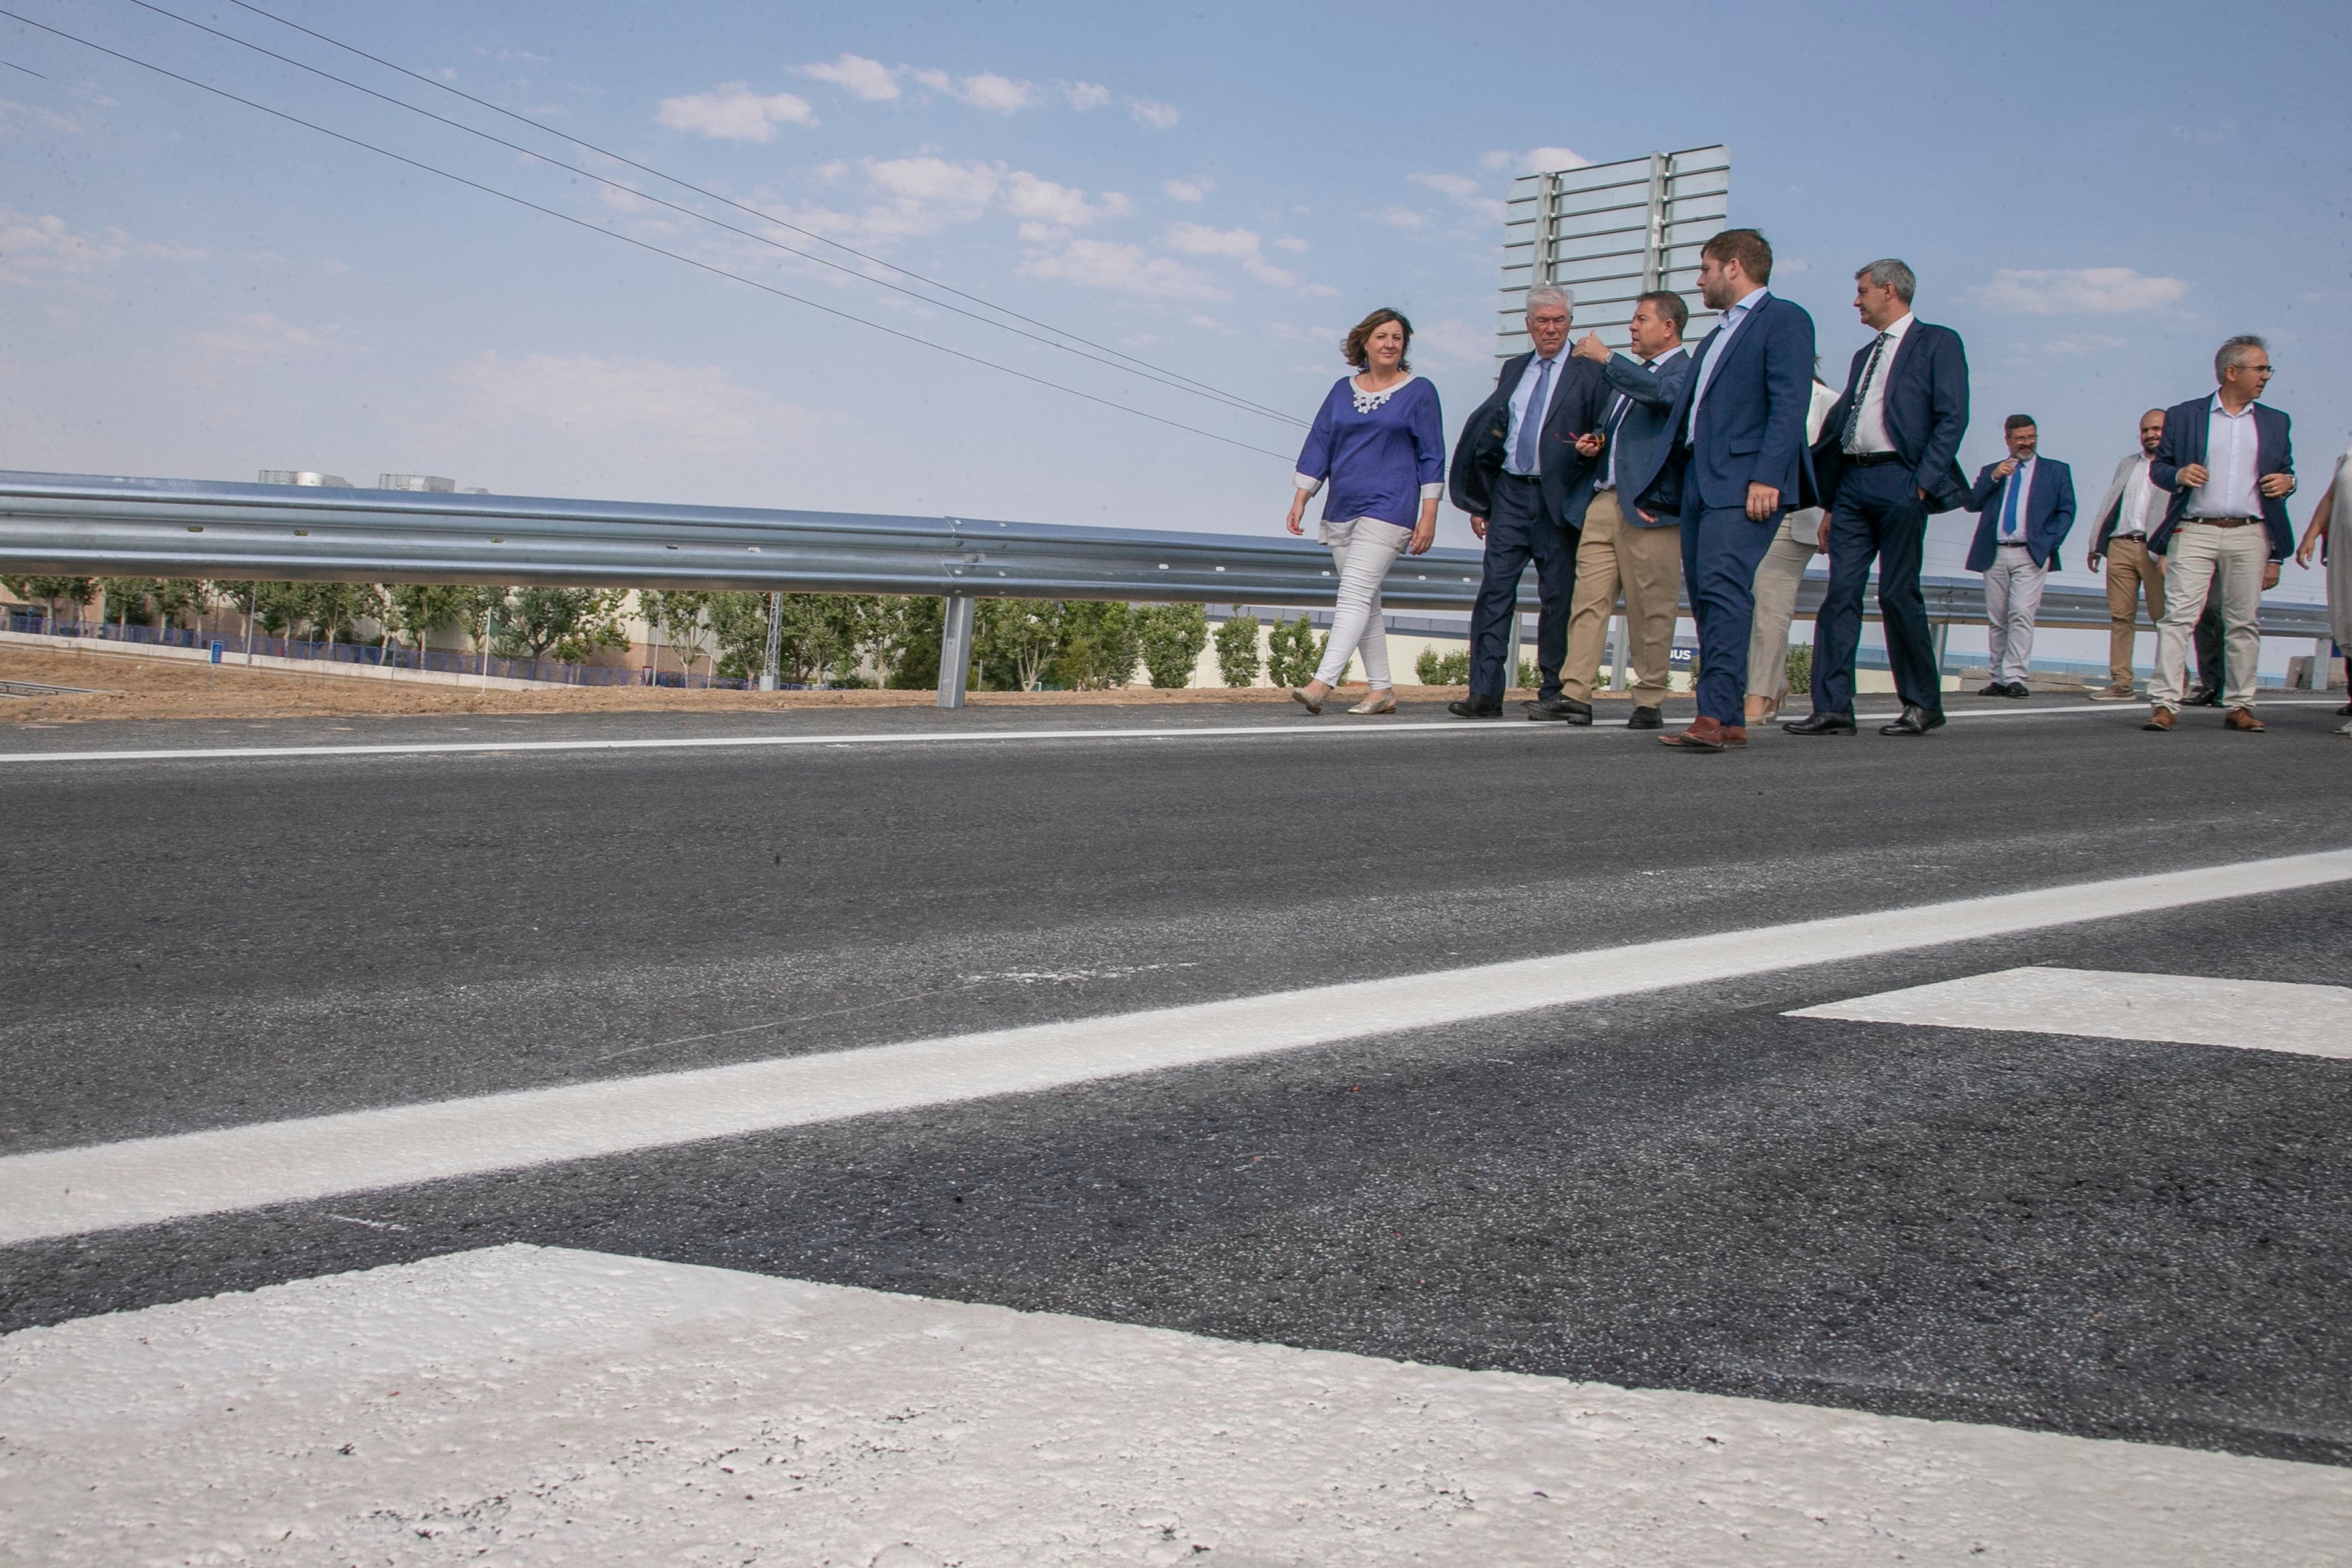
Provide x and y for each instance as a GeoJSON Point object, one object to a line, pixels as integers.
{"type": "Point", "coordinates": [1650, 392]}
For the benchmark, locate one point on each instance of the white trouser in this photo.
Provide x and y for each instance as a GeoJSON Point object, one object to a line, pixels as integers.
{"type": "Point", "coordinates": [1777, 577]}
{"type": "Point", "coordinates": [2012, 598]}
{"type": "Point", "coordinates": [2203, 560]}
{"type": "Point", "coordinates": [1363, 550]}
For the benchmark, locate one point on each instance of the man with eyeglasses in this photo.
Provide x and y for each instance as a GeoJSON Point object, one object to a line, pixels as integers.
{"type": "Point", "coordinates": [2230, 465]}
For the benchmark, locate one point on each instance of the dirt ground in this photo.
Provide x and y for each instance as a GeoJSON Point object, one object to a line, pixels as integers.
{"type": "Point", "coordinates": [130, 687]}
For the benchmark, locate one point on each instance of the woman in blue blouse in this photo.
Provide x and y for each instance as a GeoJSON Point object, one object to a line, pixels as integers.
{"type": "Point", "coordinates": [1379, 441]}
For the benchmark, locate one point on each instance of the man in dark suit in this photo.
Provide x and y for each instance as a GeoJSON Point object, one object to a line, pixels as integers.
{"type": "Point", "coordinates": [2229, 462]}
{"type": "Point", "coordinates": [2024, 506]}
{"type": "Point", "coordinates": [1735, 460]}
{"type": "Point", "coordinates": [1893, 438]}
{"type": "Point", "coordinates": [1622, 547]}
{"type": "Point", "coordinates": [1515, 468]}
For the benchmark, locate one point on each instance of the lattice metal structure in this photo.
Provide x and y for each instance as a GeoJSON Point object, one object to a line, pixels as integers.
{"type": "Point", "coordinates": [1608, 233]}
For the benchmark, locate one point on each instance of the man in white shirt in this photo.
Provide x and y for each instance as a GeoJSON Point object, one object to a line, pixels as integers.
{"type": "Point", "coordinates": [2128, 515]}
{"type": "Point", "coordinates": [2229, 462]}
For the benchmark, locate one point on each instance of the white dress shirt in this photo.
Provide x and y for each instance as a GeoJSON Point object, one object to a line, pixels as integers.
{"type": "Point", "coordinates": [2140, 510]}
{"type": "Point", "coordinates": [1521, 395]}
{"type": "Point", "coordinates": [2232, 450]}
{"type": "Point", "coordinates": [2022, 481]}
{"type": "Point", "coordinates": [1870, 432]}
{"type": "Point", "coordinates": [1703, 372]}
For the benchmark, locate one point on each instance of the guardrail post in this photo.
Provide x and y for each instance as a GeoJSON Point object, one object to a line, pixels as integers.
{"type": "Point", "coordinates": [955, 650]}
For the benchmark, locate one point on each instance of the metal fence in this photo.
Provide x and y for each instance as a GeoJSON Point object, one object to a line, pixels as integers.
{"type": "Point", "coordinates": [89, 525]}
{"type": "Point", "coordinates": [1609, 233]}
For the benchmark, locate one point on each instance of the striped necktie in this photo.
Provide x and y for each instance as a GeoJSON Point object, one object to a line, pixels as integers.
{"type": "Point", "coordinates": [1862, 394]}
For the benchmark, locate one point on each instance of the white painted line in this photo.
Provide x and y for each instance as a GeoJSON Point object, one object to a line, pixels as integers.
{"type": "Point", "coordinates": [65, 1192]}
{"type": "Point", "coordinates": [1293, 729]}
{"type": "Point", "coordinates": [544, 1407]}
{"type": "Point", "coordinates": [2184, 1009]}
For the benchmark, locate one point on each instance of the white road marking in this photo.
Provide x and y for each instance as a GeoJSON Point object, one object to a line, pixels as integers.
{"type": "Point", "coordinates": [2186, 1009]}
{"type": "Point", "coordinates": [543, 1406]}
{"type": "Point", "coordinates": [1290, 731]}
{"type": "Point", "coordinates": [65, 1192]}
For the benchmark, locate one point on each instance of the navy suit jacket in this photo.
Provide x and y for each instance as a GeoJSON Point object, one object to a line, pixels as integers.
{"type": "Point", "coordinates": [2045, 514]}
{"type": "Point", "coordinates": [1751, 424]}
{"type": "Point", "coordinates": [1926, 410]}
{"type": "Point", "coordinates": [2184, 442]}
{"type": "Point", "coordinates": [1577, 401]}
{"type": "Point", "coordinates": [1651, 392]}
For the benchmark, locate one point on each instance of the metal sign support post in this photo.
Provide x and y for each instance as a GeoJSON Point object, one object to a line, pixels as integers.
{"type": "Point", "coordinates": [955, 650]}
{"type": "Point", "coordinates": [772, 663]}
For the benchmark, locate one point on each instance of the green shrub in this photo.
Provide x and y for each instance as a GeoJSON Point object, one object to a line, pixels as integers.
{"type": "Point", "coordinates": [1436, 669]}
{"type": "Point", "coordinates": [1292, 652]}
{"type": "Point", "coordinates": [1800, 668]}
{"type": "Point", "coordinates": [1238, 658]}
{"type": "Point", "coordinates": [1171, 638]}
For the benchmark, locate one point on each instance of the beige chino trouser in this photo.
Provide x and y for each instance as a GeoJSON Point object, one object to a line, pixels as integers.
{"type": "Point", "coordinates": [1614, 557]}
{"type": "Point", "coordinates": [2204, 559]}
{"type": "Point", "coordinates": [2130, 573]}
{"type": "Point", "coordinates": [1777, 577]}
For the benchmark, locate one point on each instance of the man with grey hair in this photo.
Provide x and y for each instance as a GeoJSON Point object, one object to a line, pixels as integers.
{"type": "Point", "coordinates": [1893, 440]}
{"type": "Point", "coordinates": [2229, 462]}
{"type": "Point", "coordinates": [1514, 470]}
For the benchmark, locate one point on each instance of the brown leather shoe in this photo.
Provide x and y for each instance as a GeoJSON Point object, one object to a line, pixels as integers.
{"type": "Point", "coordinates": [1735, 735]}
{"type": "Point", "coordinates": [2242, 718]}
{"type": "Point", "coordinates": [1704, 735]}
{"type": "Point", "coordinates": [2160, 718]}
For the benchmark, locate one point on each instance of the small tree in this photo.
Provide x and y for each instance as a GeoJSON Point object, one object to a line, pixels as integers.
{"type": "Point", "coordinates": [1238, 658]}
{"type": "Point", "coordinates": [1017, 638]}
{"type": "Point", "coordinates": [1291, 652]}
{"type": "Point", "coordinates": [571, 624]}
{"type": "Point", "coordinates": [1171, 638]}
{"type": "Point", "coordinates": [52, 591]}
{"type": "Point", "coordinates": [417, 610]}
{"type": "Point", "coordinates": [677, 617]}
{"type": "Point", "coordinates": [1099, 648]}
{"type": "Point", "coordinates": [911, 654]}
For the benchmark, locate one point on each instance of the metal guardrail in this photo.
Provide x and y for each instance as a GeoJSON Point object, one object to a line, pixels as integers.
{"type": "Point", "coordinates": [93, 525]}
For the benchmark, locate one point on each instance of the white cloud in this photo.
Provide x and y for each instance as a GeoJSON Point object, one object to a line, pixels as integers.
{"type": "Point", "coordinates": [1124, 269]}
{"type": "Point", "coordinates": [1290, 242]}
{"type": "Point", "coordinates": [2093, 290]}
{"type": "Point", "coordinates": [1241, 246]}
{"type": "Point", "coordinates": [1159, 116]}
{"type": "Point", "coordinates": [859, 77]}
{"type": "Point", "coordinates": [1086, 95]}
{"type": "Point", "coordinates": [260, 335]}
{"type": "Point", "coordinates": [1464, 192]}
{"type": "Point", "coordinates": [925, 195]}
{"type": "Point", "coordinates": [1534, 161]}
{"type": "Point", "coordinates": [1187, 190]}
{"type": "Point", "coordinates": [1455, 341]}
{"type": "Point", "coordinates": [12, 114]}
{"type": "Point", "coordinates": [36, 250]}
{"type": "Point", "coordinates": [1400, 217]}
{"type": "Point", "coordinates": [734, 112]}
{"type": "Point", "coordinates": [1027, 196]}
{"type": "Point", "coordinates": [2073, 344]}
{"type": "Point", "coordinates": [645, 408]}
{"type": "Point", "coordinates": [988, 90]}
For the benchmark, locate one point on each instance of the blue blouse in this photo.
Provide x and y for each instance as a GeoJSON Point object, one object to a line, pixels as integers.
{"type": "Point", "coordinates": [1381, 460]}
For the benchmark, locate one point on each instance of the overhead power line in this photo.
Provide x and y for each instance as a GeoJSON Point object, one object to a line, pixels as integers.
{"type": "Point", "coordinates": [632, 240]}
{"type": "Point", "coordinates": [1133, 367]}
{"type": "Point", "coordinates": [764, 217]}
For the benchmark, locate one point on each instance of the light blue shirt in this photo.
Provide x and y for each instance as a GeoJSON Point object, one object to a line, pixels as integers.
{"type": "Point", "coordinates": [1704, 373]}
{"type": "Point", "coordinates": [1522, 394]}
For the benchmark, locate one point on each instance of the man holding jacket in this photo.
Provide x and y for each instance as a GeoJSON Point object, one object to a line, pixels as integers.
{"type": "Point", "coordinates": [2024, 506]}
{"type": "Point", "coordinates": [1515, 468]}
{"type": "Point", "coordinates": [1893, 438]}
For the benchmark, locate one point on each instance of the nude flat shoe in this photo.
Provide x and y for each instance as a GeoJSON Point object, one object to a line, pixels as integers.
{"type": "Point", "coordinates": [1379, 702]}
{"type": "Point", "coordinates": [1298, 695]}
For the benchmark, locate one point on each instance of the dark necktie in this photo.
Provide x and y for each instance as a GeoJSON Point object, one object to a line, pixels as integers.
{"type": "Point", "coordinates": [1862, 394]}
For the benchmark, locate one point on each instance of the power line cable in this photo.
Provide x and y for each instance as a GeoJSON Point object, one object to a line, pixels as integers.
{"type": "Point", "coordinates": [13, 66]}
{"type": "Point", "coordinates": [632, 240]}
{"type": "Point", "coordinates": [1177, 384]}
{"type": "Point", "coordinates": [755, 211]}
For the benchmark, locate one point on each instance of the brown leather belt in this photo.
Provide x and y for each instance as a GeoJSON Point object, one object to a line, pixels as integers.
{"type": "Point", "coordinates": [2224, 521]}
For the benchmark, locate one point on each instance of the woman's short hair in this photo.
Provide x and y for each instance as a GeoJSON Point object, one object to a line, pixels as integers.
{"type": "Point", "coordinates": [1354, 352]}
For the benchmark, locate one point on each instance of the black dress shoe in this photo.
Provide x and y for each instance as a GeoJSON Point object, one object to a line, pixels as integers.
{"type": "Point", "coordinates": [2015, 688]}
{"type": "Point", "coordinates": [1819, 724]}
{"type": "Point", "coordinates": [2203, 696]}
{"type": "Point", "coordinates": [1566, 710]}
{"type": "Point", "coordinates": [1915, 720]}
{"type": "Point", "coordinates": [1471, 708]}
{"type": "Point", "coordinates": [1992, 689]}
{"type": "Point", "coordinates": [1646, 719]}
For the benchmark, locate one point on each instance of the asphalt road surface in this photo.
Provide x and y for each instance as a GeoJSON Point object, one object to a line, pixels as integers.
{"type": "Point", "coordinates": [2134, 1239]}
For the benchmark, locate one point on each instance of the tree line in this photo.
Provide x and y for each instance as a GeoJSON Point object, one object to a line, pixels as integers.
{"type": "Point", "coordinates": [837, 639]}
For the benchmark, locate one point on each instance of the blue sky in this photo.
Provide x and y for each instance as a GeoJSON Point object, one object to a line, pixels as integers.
{"type": "Point", "coordinates": [2093, 197]}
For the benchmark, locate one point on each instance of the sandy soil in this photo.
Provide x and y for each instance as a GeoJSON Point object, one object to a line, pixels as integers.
{"type": "Point", "coordinates": [136, 687]}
